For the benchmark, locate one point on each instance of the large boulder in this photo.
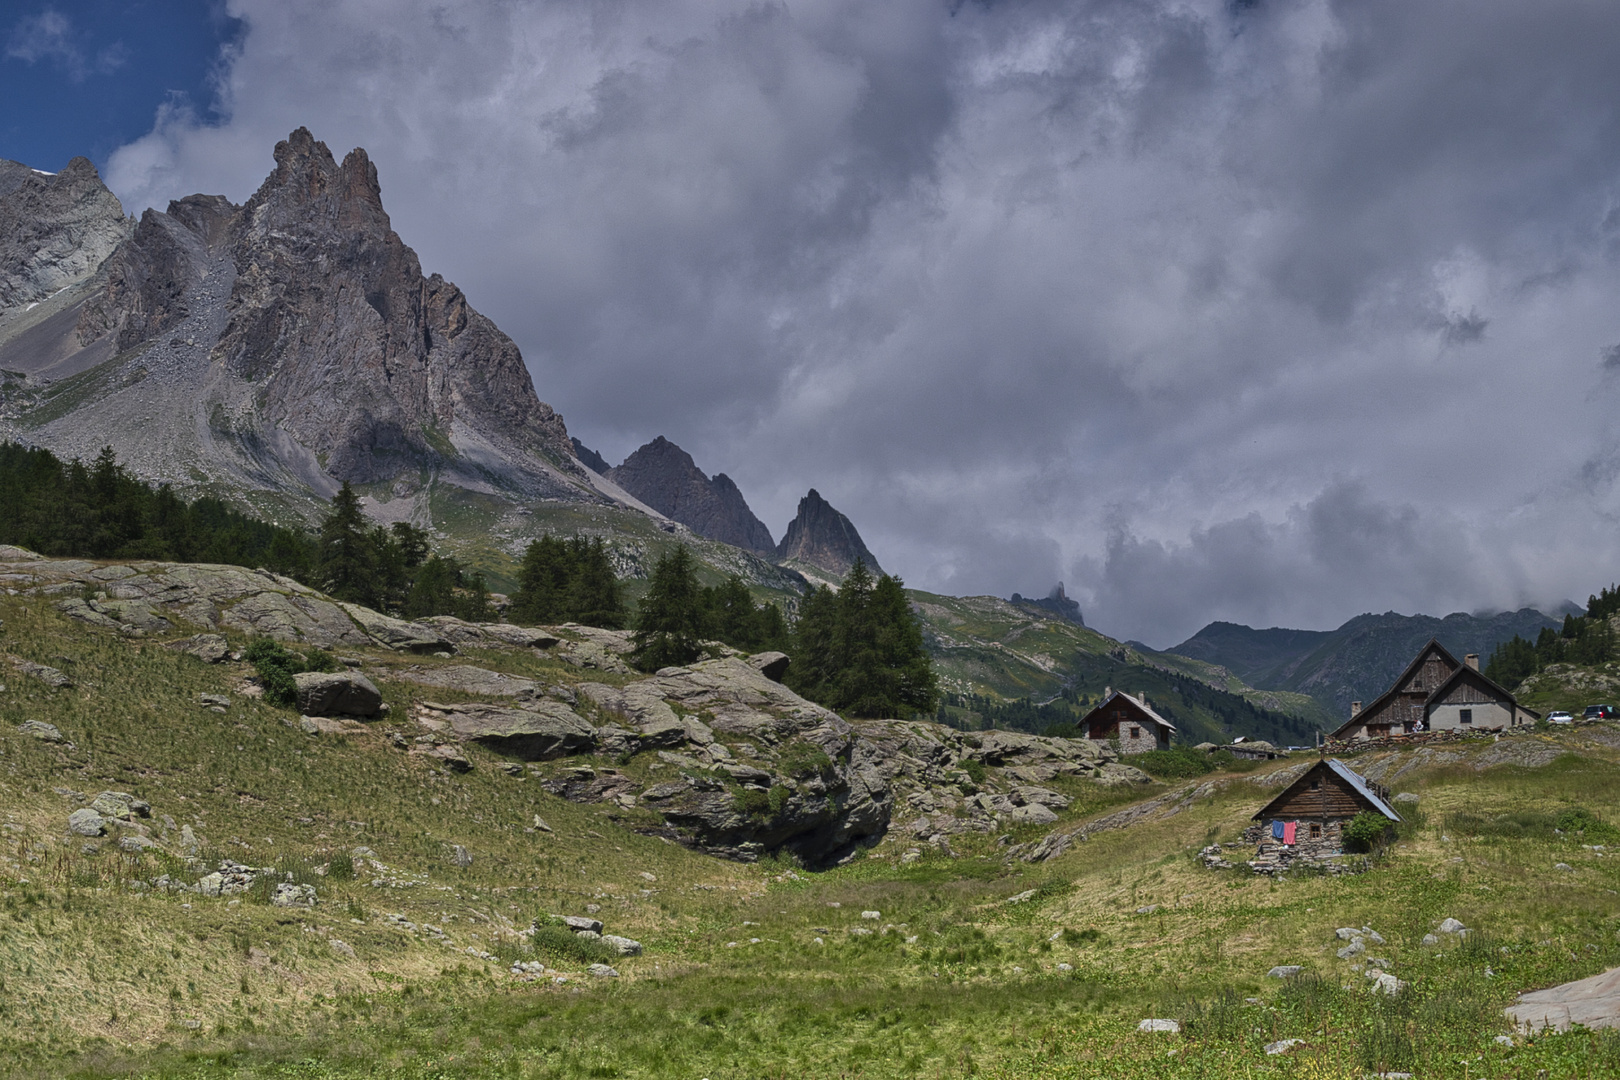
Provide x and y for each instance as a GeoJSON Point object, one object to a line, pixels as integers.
{"type": "Point", "coordinates": [344, 693]}
{"type": "Point", "coordinates": [397, 633]}
{"type": "Point", "coordinates": [535, 732]}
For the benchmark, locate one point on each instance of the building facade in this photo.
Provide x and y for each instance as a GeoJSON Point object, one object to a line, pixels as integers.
{"type": "Point", "coordinates": [1436, 692]}
{"type": "Point", "coordinates": [1131, 721]}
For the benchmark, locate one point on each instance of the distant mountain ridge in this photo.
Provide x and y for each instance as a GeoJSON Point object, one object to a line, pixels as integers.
{"type": "Point", "coordinates": [665, 477]}
{"type": "Point", "coordinates": [1356, 662]}
{"type": "Point", "coordinates": [821, 538]}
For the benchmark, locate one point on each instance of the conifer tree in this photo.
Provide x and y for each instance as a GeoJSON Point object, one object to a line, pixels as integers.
{"type": "Point", "coordinates": [669, 623]}
{"type": "Point", "coordinates": [346, 566]}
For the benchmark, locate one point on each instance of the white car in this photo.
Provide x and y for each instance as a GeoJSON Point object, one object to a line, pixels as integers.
{"type": "Point", "coordinates": [1558, 716]}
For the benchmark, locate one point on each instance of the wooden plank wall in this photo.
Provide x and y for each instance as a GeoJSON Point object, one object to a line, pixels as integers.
{"type": "Point", "coordinates": [1334, 799]}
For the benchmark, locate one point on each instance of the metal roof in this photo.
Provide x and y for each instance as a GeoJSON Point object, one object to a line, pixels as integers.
{"type": "Point", "coordinates": [1355, 780]}
{"type": "Point", "coordinates": [1140, 703]}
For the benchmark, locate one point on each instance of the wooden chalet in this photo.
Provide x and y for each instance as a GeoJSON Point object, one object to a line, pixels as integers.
{"type": "Point", "coordinates": [1310, 814]}
{"type": "Point", "coordinates": [1130, 720]}
{"type": "Point", "coordinates": [1436, 693]}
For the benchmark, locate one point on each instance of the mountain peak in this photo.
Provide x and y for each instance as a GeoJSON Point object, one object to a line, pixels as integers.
{"type": "Point", "coordinates": [665, 477]}
{"type": "Point", "coordinates": [824, 538]}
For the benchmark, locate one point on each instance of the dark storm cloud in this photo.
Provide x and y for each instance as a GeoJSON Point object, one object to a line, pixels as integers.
{"type": "Point", "coordinates": [1252, 311]}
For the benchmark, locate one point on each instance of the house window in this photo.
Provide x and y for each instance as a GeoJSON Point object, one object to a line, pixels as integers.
{"type": "Point", "coordinates": [1316, 830]}
{"type": "Point", "coordinates": [1316, 785]}
{"type": "Point", "coordinates": [1465, 716]}
{"type": "Point", "coordinates": [1136, 733]}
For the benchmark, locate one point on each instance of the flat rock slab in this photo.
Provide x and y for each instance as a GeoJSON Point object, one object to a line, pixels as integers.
{"type": "Point", "coordinates": [1593, 1003]}
{"type": "Point", "coordinates": [470, 680]}
{"type": "Point", "coordinates": [344, 693]}
{"type": "Point", "coordinates": [545, 730]}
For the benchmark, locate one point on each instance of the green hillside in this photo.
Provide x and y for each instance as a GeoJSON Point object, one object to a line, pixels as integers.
{"type": "Point", "coordinates": [987, 647]}
{"type": "Point", "coordinates": [974, 963]}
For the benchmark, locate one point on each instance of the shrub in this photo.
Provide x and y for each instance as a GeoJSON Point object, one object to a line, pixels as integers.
{"type": "Point", "coordinates": [1177, 763]}
{"type": "Point", "coordinates": [276, 665]}
{"type": "Point", "coordinates": [974, 768]}
{"type": "Point", "coordinates": [801, 758]}
{"type": "Point", "coordinates": [554, 941]}
{"type": "Point", "coordinates": [1365, 831]}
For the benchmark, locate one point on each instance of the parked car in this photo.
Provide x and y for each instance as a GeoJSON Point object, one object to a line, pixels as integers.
{"type": "Point", "coordinates": [1600, 712]}
{"type": "Point", "coordinates": [1558, 716]}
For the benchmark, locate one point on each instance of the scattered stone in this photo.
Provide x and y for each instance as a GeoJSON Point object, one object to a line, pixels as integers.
{"type": "Point", "coordinates": [1373, 936]}
{"type": "Point", "coordinates": [1430, 939]}
{"type": "Point", "coordinates": [1503, 1040]}
{"type": "Point", "coordinates": [1282, 1046]}
{"type": "Point", "coordinates": [460, 856]}
{"type": "Point", "coordinates": [120, 804]}
{"type": "Point", "coordinates": [1147, 909]}
{"type": "Point", "coordinates": [287, 894]}
{"type": "Point", "coordinates": [86, 822]}
{"type": "Point", "coordinates": [136, 844]}
{"type": "Point", "coordinates": [602, 971]}
{"type": "Point", "coordinates": [1355, 948]}
{"type": "Point", "coordinates": [1019, 898]}
{"type": "Point", "coordinates": [42, 731]}
{"type": "Point", "coordinates": [872, 915]}
{"type": "Point", "coordinates": [47, 675]}
{"type": "Point", "coordinates": [539, 823]}
{"type": "Point", "coordinates": [1452, 926]}
{"type": "Point", "coordinates": [579, 923]}
{"type": "Point", "coordinates": [214, 701]}
{"type": "Point", "coordinates": [1346, 933]}
{"type": "Point", "coordinates": [342, 948]}
{"type": "Point", "coordinates": [1171, 1026]}
{"type": "Point", "coordinates": [648, 877]}
{"type": "Point", "coordinates": [1562, 866]}
{"type": "Point", "coordinates": [861, 931]}
{"type": "Point", "coordinates": [209, 648]}
{"type": "Point", "coordinates": [1032, 814]}
{"type": "Point", "coordinates": [1406, 797]}
{"type": "Point", "coordinates": [625, 946]}
{"type": "Point", "coordinates": [346, 693]}
{"type": "Point", "coordinates": [1284, 971]}
{"type": "Point", "coordinates": [1065, 967]}
{"type": "Point", "coordinates": [1385, 983]}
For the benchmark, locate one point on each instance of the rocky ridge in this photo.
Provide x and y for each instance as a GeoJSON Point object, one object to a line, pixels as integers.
{"type": "Point", "coordinates": [55, 229]}
{"type": "Point", "coordinates": [665, 477]}
{"type": "Point", "coordinates": [718, 755]}
{"type": "Point", "coordinates": [284, 345]}
{"type": "Point", "coordinates": [820, 538]}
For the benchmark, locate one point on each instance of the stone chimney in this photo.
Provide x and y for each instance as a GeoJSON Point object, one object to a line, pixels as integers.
{"type": "Point", "coordinates": [1472, 660]}
{"type": "Point", "coordinates": [1108, 692]}
{"type": "Point", "coordinates": [1355, 709]}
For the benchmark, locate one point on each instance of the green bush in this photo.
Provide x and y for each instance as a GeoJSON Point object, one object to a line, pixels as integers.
{"type": "Point", "coordinates": [276, 665]}
{"type": "Point", "coordinates": [975, 769]}
{"type": "Point", "coordinates": [1177, 763]}
{"type": "Point", "coordinates": [1365, 831]}
{"type": "Point", "coordinates": [801, 758]}
{"type": "Point", "coordinates": [553, 941]}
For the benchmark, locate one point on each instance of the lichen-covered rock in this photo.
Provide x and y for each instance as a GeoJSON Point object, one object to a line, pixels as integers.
{"type": "Point", "coordinates": [209, 648]}
{"type": "Point", "coordinates": [397, 633]}
{"type": "Point", "coordinates": [470, 680]}
{"type": "Point", "coordinates": [120, 804]}
{"type": "Point", "coordinates": [86, 822]}
{"type": "Point", "coordinates": [535, 731]}
{"type": "Point", "coordinates": [343, 693]}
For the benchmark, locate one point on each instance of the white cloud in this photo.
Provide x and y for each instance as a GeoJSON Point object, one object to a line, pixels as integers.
{"type": "Point", "coordinates": [49, 36]}
{"type": "Point", "coordinates": [1126, 292]}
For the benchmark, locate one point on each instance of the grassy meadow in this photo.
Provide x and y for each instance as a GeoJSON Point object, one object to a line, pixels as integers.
{"type": "Point", "coordinates": [974, 967]}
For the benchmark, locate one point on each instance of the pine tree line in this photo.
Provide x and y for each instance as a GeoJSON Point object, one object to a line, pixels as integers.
{"type": "Point", "coordinates": [1586, 640]}
{"type": "Point", "coordinates": [99, 511]}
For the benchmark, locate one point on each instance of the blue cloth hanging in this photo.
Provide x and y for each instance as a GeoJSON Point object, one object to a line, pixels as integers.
{"type": "Point", "coordinates": [1276, 830]}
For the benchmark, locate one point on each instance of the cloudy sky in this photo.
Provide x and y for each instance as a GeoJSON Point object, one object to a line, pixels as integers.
{"type": "Point", "coordinates": [1274, 311]}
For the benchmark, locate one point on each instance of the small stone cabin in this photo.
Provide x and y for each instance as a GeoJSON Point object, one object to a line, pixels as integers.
{"type": "Point", "coordinates": [1437, 693]}
{"type": "Point", "coordinates": [1318, 805]}
{"type": "Point", "coordinates": [1130, 720]}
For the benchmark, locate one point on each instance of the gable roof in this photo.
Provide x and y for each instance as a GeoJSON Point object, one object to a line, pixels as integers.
{"type": "Point", "coordinates": [1355, 780]}
{"type": "Point", "coordinates": [1139, 703]}
{"type": "Point", "coordinates": [1466, 673]}
{"type": "Point", "coordinates": [1383, 699]}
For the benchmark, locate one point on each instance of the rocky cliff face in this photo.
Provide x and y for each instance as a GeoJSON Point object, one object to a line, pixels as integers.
{"type": "Point", "coordinates": [821, 537]}
{"type": "Point", "coordinates": [665, 477]}
{"type": "Point", "coordinates": [55, 230]}
{"type": "Point", "coordinates": [325, 340]}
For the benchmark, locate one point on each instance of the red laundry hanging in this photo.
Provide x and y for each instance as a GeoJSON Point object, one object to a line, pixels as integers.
{"type": "Point", "coordinates": [1289, 829]}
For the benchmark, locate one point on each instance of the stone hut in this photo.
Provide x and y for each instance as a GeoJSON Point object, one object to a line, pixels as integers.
{"type": "Point", "coordinates": [1306, 822]}
{"type": "Point", "coordinates": [1129, 720]}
